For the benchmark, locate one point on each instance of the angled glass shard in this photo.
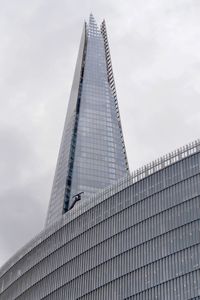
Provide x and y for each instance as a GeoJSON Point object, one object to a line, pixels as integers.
{"type": "Point", "coordinates": [92, 154]}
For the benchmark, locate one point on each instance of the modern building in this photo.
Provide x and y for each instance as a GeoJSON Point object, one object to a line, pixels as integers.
{"type": "Point", "coordinates": [130, 236]}
{"type": "Point", "coordinates": [92, 155]}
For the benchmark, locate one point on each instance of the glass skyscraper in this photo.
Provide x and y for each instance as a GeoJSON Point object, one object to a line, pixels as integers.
{"type": "Point", "coordinates": [92, 154]}
{"type": "Point", "coordinates": [133, 237]}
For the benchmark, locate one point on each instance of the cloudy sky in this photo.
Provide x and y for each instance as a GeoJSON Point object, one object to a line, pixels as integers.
{"type": "Point", "coordinates": [155, 48]}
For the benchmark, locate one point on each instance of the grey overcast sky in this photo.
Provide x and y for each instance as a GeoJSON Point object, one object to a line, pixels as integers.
{"type": "Point", "coordinates": [155, 48]}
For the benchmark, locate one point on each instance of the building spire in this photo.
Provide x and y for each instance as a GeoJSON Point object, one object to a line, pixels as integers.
{"type": "Point", "coordinates": [93, 28]}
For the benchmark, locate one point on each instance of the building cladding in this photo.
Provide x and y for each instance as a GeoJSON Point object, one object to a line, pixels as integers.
{"type": "Point", "coordinates": [138, 238]}
{"type": "Point", "coordinates": [92, 154]}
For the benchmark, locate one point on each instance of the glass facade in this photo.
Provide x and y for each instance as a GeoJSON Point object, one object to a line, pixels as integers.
{"type": "Point", "coordinates": [139, 239]}
{"type": "Point", "coordinates": [92, 153]}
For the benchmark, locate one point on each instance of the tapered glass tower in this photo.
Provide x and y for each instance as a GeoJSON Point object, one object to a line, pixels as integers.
{"type": "Point", "coordinates": [92, 153]}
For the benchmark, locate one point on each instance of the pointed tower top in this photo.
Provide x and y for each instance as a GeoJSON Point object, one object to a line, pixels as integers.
{"type": "Point", "coordinates": [92, 18]}
{"type": "Point", "coordinates": [103, 22]}
{"type": "Point", "coordinates": [93, 28]}
{"type": "Point", "coordinates": [103, 26]}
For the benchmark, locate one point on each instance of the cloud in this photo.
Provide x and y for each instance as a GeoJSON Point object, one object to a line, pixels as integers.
{"type": "Point", "coordinates": [23, 212]}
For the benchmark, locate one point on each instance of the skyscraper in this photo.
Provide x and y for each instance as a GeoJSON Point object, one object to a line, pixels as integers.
{"type": "Point", "coordinates": [137, 239]}
{"type": "Point", "coordinates": [92, 154]}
